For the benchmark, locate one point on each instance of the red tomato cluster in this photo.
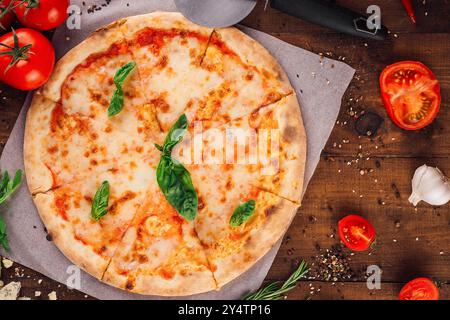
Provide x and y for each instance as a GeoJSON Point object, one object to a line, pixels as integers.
{"type": "Point", "coordinates": [7, 17]}
{"type": "Point", "coordinates": [27, 58]}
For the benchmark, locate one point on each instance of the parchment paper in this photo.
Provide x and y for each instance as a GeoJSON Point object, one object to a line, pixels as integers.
{"type": "Point", "coordinates": [319, 83]}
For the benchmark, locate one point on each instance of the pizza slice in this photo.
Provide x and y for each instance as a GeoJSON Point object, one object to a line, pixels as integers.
{"type": "Point", "coordinates": [243, 76]}
{"type": "Point", "coordinates": [87, 241]}
{"type": "Point", "coordinates": [249, 180]}
{"type": "Point", "coordinates": [268, 147]}
{"type": "Point", "coordinates": [84, 83]}
{"type": "Point", "coordinates": [160, 254]}
{"type": "Point", "coordinates": [233, 234]}
{"type": "Point", "coordinates": [62, 148]}
{"type": "Point", "coordinates": [168, 50]}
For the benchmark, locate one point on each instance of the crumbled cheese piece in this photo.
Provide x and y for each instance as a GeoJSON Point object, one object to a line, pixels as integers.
{"type": "Point", "coordinates": [52, 296]}
{"type": "Point", "coordinates": [37, 293]}
{"type": "Point", "coordinates": [10, 291]}
{"type": "Point", "coordinates": [23, 298]}
{"type": "Point", "coordinates": [7, 263]}
{"type": "Point", "coordinates": [1, 283]}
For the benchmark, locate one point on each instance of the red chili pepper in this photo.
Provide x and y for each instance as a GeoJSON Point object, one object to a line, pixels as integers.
{"type": "Point", "coordinates": [409, 9]}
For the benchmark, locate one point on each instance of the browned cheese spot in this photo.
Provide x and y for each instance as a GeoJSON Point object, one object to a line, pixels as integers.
{"type": "Point", "coordinates": [290, 134]}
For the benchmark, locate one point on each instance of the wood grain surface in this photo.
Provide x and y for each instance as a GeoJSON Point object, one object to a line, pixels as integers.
{"type": "Point", "coordinates": [365, 175]}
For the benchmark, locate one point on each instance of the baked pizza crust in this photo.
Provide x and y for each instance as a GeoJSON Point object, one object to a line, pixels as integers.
{"type": "Point", "coordinates": [190, 284]}
{"type": "Point", "coordinates": [253, 53]}
{"type": "Point", "coordinates": [61, 233]}
{"type": "Point", "coordinates": [293, 137]}
{"type": "Point", "coordinates": [171, 67]}
{"type": "Point", "coordinates": [99, 41]}
{"type": "Point", "coordinates": [194, 282]}
{"type": "Point", "coordinates": [158, 20]}
{"type": "Point", "coordinates": [37, 128]}
{"type": "Point", "coordinates": [279, 213]}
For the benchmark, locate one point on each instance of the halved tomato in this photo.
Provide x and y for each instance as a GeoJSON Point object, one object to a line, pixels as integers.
{"type": "Point", "coordinates": [411, 94]}
{"type": "Point", "coordinates": [419, 289]}
{"type": "Point", "coordinates": [356, 232]}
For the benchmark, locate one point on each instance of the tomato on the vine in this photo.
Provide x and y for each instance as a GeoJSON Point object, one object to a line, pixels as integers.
{"type": "Point", "coordinates": [41, 14]}
{"type": "Point", "coordinates": [356, 232]}
{"type": "Point", "coordinates": [7, 16]}
{"type": "Point", "coordinates": [419, 289]}
{"type": "Point", "coordinates": [27, 59]}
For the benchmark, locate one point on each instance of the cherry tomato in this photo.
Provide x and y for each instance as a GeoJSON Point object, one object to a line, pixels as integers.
{"type": "Point", "coordinates": [5, 2]}
{"type": "Point", "coordinates": [6, 18]}
{"type": "Point", "coordinates": [419, 289]}
{"type": "Point", "coordinates": [30, 59]}
{"type": "Point", "coordinates": [356, 232]}
{"type": "Point", "coordinates": [41, 14]}
{"type": "Point", "coordinates": [411, 94]}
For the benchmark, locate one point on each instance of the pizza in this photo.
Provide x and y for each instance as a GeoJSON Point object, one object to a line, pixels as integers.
{"type": "Point", "coordinates": [166, 158]}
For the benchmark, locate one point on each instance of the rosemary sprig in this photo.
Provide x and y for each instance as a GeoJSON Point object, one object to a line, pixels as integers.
{"type": "Point", "coordinates": [273, 291]}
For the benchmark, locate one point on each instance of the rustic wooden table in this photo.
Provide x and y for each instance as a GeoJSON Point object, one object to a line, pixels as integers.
{"type": "Point", "coordinates": [370, 176]}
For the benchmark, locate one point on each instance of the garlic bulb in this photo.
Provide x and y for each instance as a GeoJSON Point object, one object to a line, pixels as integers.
{"type": "Point", "coordinates": [430, 185]}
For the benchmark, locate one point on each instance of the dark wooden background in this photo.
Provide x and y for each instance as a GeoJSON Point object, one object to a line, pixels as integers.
{"type": "Point", "coordinates": [411, 242]}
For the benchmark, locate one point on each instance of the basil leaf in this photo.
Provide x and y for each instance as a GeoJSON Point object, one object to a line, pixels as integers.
{"type": "Point", "coordinates": [4, 181]}
{"type": "Point", "coordinates": [242, 213]}
{"type": "Point", "coordinates": [117, 99]}
{"type": "Point", "coordinates": [3, 236]}
{"type": "Point", "coordinates": [175, 135]}
{"type": "Point", "coordinates": [7, 186]}
{"type": "Point", "coordinates": [100, 202]}
{"type": "Point", "coordinates": [176, 184]}
{"type": "Point", "coordinates": [173, 178]}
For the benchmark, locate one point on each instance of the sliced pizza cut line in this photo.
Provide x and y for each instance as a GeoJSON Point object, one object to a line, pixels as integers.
{"type": "Point", "coordinates": [268, 147]}
{"type": "Point", "coordinates": [223, 187]}
{"type": "Point", "coordinates": [90, 244]}
{"type": "Point", "coordinates": [115, 252]}
{"type": "Point", "coordinates": [232, 250]}
{"type": "Point", "coordinates": [206, 48]}
{"type": "Point", "coordinates": [160, 254]}
{"type": "Point", "coordinates": [168, 50]}
{"type": "Point", "coordinates": [84, 84]}
{"type": "Point", "coordinates": [230, 47]}
{"type": "Point", "coordinates": [168, 61]}
{"type": "Point", "coordinates": [61, 148]}
{"type": "Point", "coordinates": [243, 77]}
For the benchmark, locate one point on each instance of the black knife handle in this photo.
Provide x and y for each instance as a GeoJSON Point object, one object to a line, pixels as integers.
{"type": "Point", "coordinates": [330, 15]}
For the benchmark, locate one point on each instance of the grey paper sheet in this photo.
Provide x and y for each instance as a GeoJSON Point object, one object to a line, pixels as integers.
{"type": "Point", "coordinates": [319, 83]}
